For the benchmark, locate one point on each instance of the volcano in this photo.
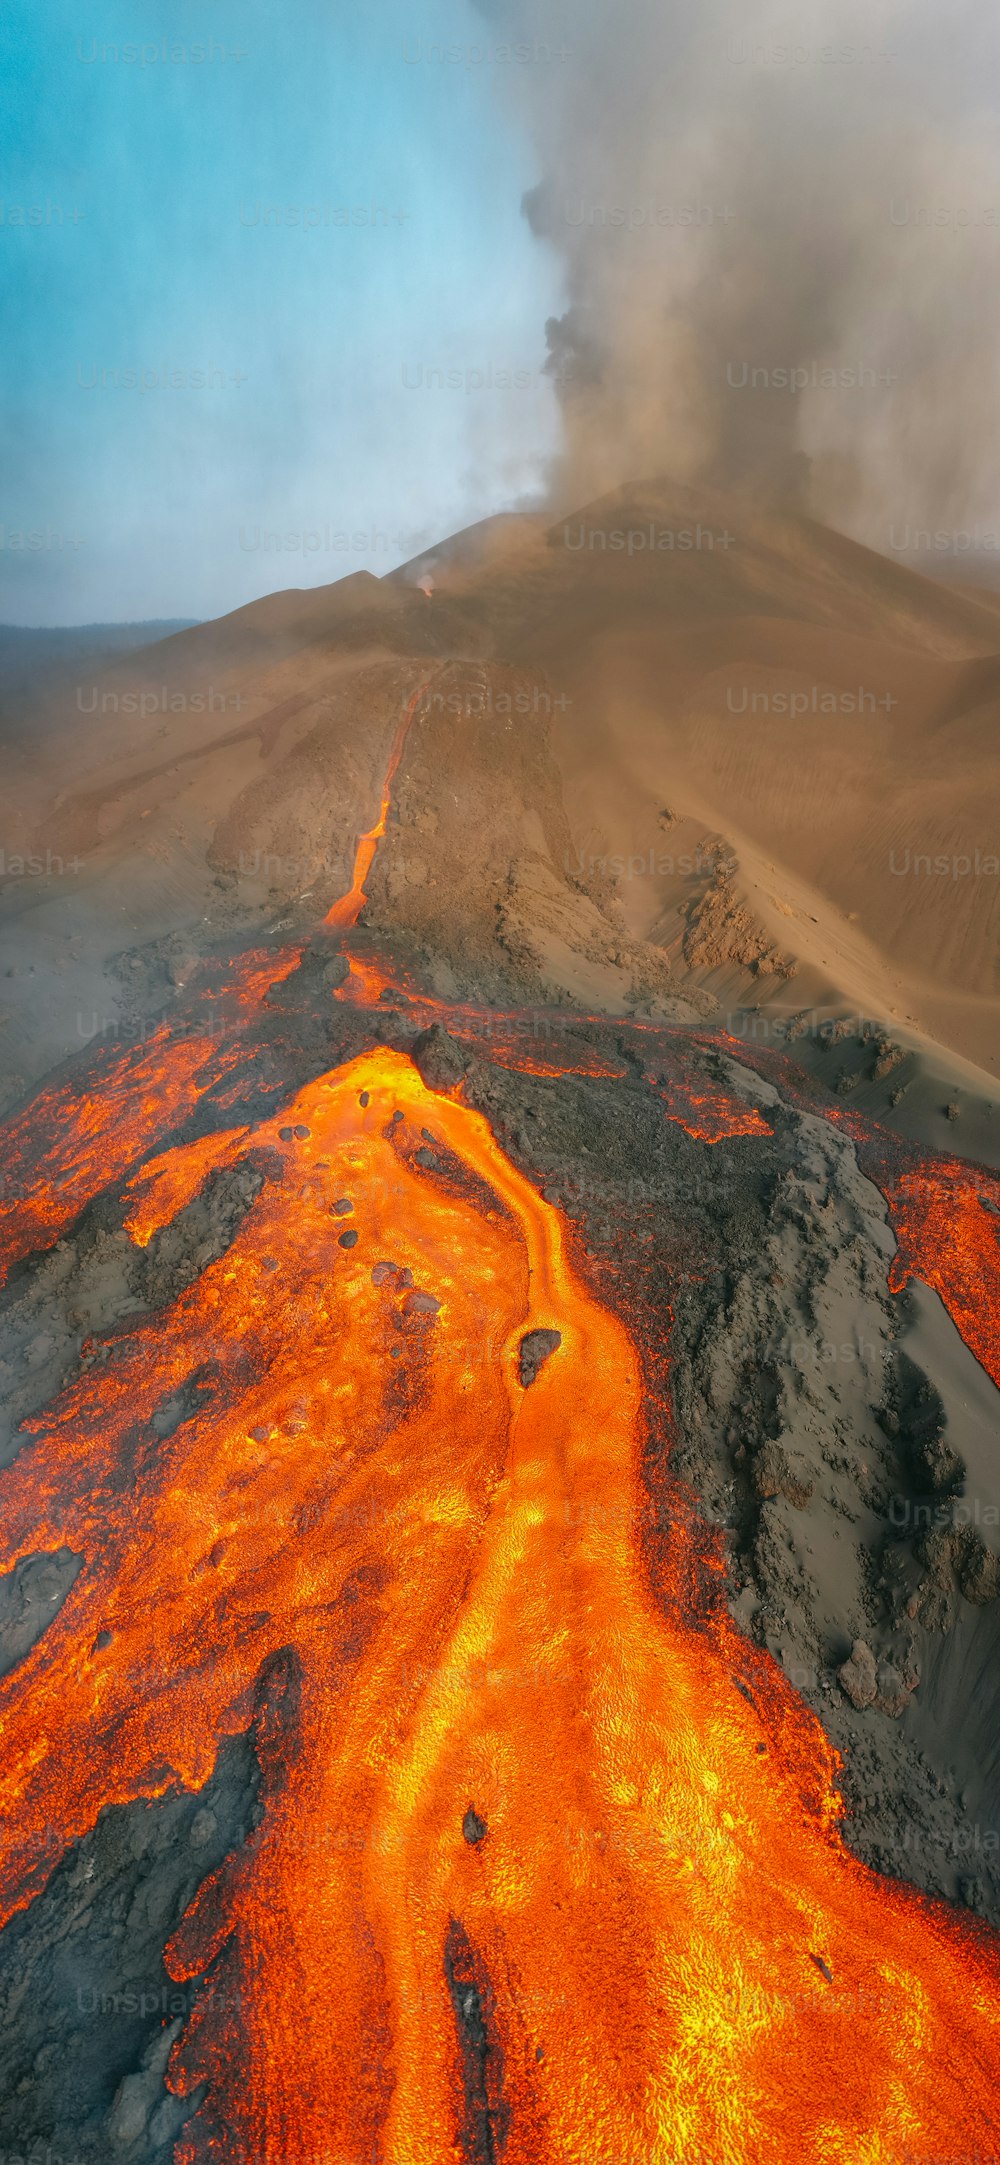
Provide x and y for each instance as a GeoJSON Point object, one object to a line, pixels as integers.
{"type": "Point", "coordinates": [501, 1360]}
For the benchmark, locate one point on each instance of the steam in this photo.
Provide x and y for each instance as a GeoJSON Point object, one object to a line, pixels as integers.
{"type": "Point", "coordinates": [815, 200]}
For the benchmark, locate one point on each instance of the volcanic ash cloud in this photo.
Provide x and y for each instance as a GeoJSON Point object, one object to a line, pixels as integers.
{"type": "Point", "coordinates": [780, 241]}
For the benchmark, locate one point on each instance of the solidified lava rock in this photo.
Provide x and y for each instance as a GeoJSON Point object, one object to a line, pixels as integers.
{"type": "Point", "coordinates": [978, 1568]}
{"type": "Point", "coordinates": [858, 1676]}
{"type": "Point", "coordinates": [944, 1469]}
{"type": "Point", "coordinates": [31, 1596]}
{"type": "Point", "coordinates": [483, 2133]}
{"type": "Point", "coordinates": [879, 1684]}
{"type": "Point", "coordinates": [773, 1476]}
{"type": "Point", "coordinates": [893, 1695]}
{"type": "Point", "coordinates": [932, 1601]}
{"type": "Point", "coordinates": [439, 1060]}
{"type": "Point", "coordinates": [85, 2050]}
{"type": "Point", "coordinates": [916, 1415]}
{"type": "Point", "coordinates": [421, 1304]}
{"type": "Point", "coordinates": [321, 968]}
{"type": "Point", "coordinates": [889, 1057]}
{"type": "Point", "coordinates": [533, 1352]}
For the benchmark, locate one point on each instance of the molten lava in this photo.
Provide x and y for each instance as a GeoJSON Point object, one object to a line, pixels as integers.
{"type": "Point", "coordinates": [436, 1570]}
{"type": "Point", "coordinates": [549, 1868]}
{"type": "Point", "coordinates": [945, 1212]}
{"type": "Point", "coordinates": [705, 1110]}
{"type": "Point", "coordinates": [946, 1217]}
{"type": "Point", "coordinates": [348, 908]}
{"type": "Point", "coordinates": [135, 1095]}
{"type": "Point", "coordinates": [82, 1135]}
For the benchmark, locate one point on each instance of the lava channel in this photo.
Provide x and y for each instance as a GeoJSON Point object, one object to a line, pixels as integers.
{"type": "Point", "coordinates": [534, 1881]}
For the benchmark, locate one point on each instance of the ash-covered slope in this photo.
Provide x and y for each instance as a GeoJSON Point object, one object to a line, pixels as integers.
{"type": "Point", "coordinates": [775, 753]}
{"type": "Point", "coordinates": [478, 867]}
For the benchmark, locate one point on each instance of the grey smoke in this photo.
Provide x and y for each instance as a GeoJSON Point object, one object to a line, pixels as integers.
{"type": "Point", "coordinates": [731, 189]}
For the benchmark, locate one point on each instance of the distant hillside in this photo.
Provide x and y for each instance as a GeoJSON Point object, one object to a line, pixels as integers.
{"type": "Point", "coordinates": [32, 654]}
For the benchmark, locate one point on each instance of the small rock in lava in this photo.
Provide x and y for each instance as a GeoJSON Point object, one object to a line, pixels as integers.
{"type": "Point", "coordinates": [474, 1829]}
{"type": "Point", "coordinates": [533, 1352]}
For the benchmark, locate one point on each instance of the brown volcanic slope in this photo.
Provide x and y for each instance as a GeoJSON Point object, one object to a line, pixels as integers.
{"type": "Point", "coordinates": [605, 786]}
{"type": "Point", "coordinates": [684, 666]}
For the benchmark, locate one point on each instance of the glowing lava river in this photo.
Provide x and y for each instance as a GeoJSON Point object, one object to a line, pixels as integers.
{"type": "Point", "coordinates": [534, 1881]}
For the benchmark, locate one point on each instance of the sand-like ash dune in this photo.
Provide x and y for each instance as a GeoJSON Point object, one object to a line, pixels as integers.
{"type": "Point", "coordinates": [827, 713]}
{"type": "Point", "coordinates": [671, 747]}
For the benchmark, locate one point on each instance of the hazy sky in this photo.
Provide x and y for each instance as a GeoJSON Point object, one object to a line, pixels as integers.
{"type": "Point", "coordinates": [134, 237]}
{"type": "Point", "coordinates": [237, 235]}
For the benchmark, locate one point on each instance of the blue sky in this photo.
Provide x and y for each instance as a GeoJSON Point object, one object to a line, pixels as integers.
{"type": "Point", "coordinates": [130, 489]}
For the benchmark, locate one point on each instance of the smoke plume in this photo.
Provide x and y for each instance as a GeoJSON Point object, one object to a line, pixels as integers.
{"type": "Point", "coordinates": [781, 241]}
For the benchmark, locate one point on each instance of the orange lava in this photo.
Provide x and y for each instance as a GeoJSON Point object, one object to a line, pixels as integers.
{"type": "Point", "coordinates": [347, 909]}
{"type": "Point", "coordinates": [166, 1184]}
{"type": "Point", "coordinates": [705, 1111]}
{"type": "Point", "coordinates": [133, 1097]}
{"type": "Point", "coordinates": [658, 1947]}
{"type": "Point", "coordinates": [945, 1213]}
{"type": "Point", "coordinates": [526, 1063]}
{"type": "Point", "coordinates": [510, 1039]}
{"type": "Point", "coordinates": [250, 977]}
{"type": "Point", "coordinates": [81, 1135]}
{"type": "Point", "coordinates": [946, 1218]}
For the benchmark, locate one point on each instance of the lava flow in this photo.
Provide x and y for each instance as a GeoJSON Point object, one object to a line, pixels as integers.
{"type": "Point", "coordinates": [945, 1211]}
{"type": "Point", "coordinates": [526, 1876]}
{"type": "Point", "coordinates": [707, 1112]}
{"type": "Point", "coordinates": [347, 909]}
{"type": "Point", "coordinates": [549, 1868]}
{"type": "Point", "coordinates": [79, 1136]}
{"type": "Point", "coordinates": [946, 1217]}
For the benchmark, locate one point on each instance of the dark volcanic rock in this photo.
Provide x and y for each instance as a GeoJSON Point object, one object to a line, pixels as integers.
{"type": "Point", "coordinates": [773, 1476]}
{"type": "Point", "coordinates": [859, 1675]}
{"type": "Point", "coordinates": [916, 1415]}
{"type": "Point", "coordinates": [439, 1059]}
{"type": "Point", "coordinates": [87, 2008]}
{"type": "Point", "coordinates": [978, 1567]}
{"type": "Point", "coordinates": [474, 1829]}
{"type": "Point", "coordinates": [30, 1597]}
{"type": "Point", "coordinates": [533, 1352]}
{"type": "Point", "coordinates": [893, 1695]}
{"type": "Point", "coordinates": [933, 1600]}
{"type": "Point", "coordinates": [421, 1304]}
